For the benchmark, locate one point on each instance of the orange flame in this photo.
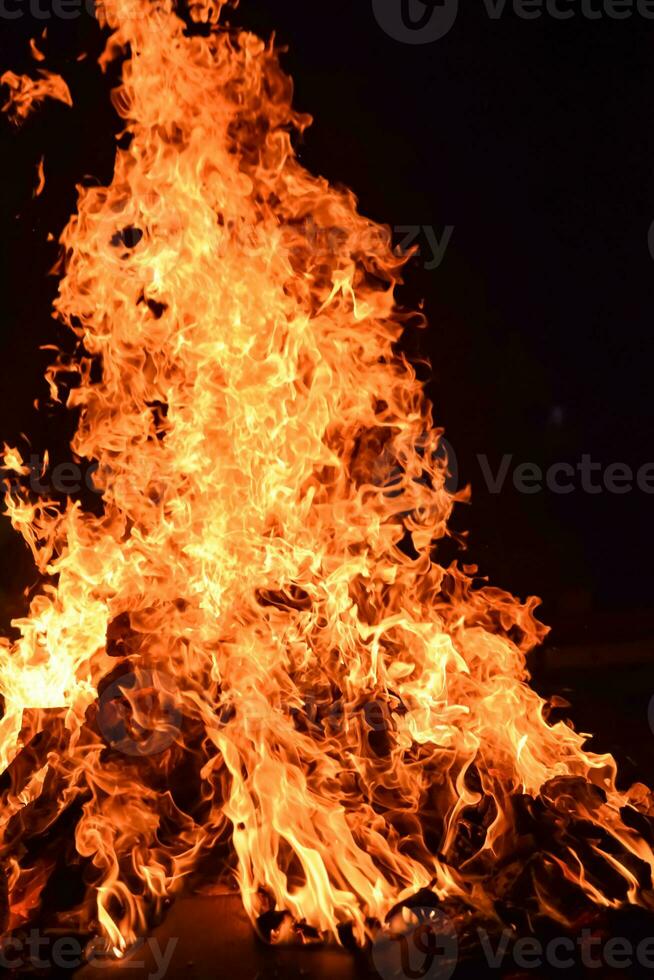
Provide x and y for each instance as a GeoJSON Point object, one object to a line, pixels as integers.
{"type": "Point", "coordinates": [35, 51]}
{"type": "Point", "coordinates": [26, 93]}
{"type": "Point", "coordinates": [40, 172]}
{"type": "Point", "coordinates": [253, 649]}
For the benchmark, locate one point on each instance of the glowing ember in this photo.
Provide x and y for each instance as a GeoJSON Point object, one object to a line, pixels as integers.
{"type": "Point", "coordinates": [252, 660]}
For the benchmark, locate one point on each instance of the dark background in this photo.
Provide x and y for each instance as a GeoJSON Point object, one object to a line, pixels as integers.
{"type": "Point", "coordinates": [534, 140]}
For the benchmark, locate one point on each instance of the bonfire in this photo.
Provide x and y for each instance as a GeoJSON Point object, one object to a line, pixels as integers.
{"type": "Point", "coordinates": [248, 664]}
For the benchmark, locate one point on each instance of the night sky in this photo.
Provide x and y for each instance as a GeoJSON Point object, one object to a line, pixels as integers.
{"type": "Point", "coordinates": [532, 140]}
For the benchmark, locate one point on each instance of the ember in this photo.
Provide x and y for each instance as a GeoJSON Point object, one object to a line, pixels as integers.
{"type": "Point", "coordinates": [251, 665]}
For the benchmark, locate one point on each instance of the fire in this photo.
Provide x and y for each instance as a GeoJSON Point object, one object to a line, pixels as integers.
{"type": "Point", "coordinates": [25, 93]}
{"type": "Point", "coordinates": [250, 662]}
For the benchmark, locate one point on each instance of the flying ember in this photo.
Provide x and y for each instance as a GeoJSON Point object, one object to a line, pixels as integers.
{"type": "Point", "coordinates": [250, 665]}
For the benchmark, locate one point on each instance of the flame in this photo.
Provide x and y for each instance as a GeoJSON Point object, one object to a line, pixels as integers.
{"type": "Point", "coordinates": [36, 52]}
{"type": "Point", "coordinates": [40, 172]}
{"type": "Point", "coordinates": [26, 93]}
{"type": "Point", "coordinates": [250, 659]}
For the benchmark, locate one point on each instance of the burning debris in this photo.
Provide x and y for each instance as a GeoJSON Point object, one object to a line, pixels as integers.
{"type": "Point", "coordinates": [250, 664]}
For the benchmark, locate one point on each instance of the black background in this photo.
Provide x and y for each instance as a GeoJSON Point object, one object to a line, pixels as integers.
{"type": "Point", "coordinates": [534, 140]}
